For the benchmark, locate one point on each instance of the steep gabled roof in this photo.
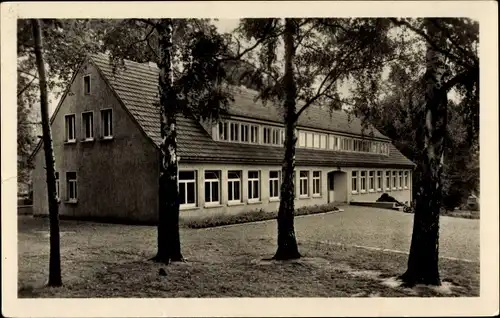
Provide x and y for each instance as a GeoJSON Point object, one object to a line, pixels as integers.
{"type": "Point", "coordinates": [136, 86]}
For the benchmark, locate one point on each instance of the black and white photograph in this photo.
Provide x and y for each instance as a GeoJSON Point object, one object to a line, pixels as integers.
{"type": "Point", "coordinates": [191, 153]}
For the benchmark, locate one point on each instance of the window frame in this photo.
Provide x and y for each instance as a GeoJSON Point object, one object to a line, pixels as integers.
{"type": "Point", "coordinates": [302, 139]}
{"type": "Point", "coordinates": [252, 134]}
{"type": "Point", "coordinates": [274, 182]}
{"type": "Point", "coordinates": [211, 183]}
{"type": "Point", "coordinates": [306, 188]}
{"type": "Point", "coordinates": [354, 177]}
{"type": "Point", "coordinates": [85, 92]}
{"type": "Point", "coordinates": [104, 110]}
{"type": "Point", "coordinates": [406, 179]}
{"type": "Point", "coordinates": [69, 183]}
{"type": "Point", "coordinates": [251, 181]}
{"type": "Point", "coordinates": [388, 180]}
{"type": "Point", "coordinates": [400, 177]}
{"type": "Point", "coordinates": [66, 128]}
{"type": "Point", "coordinates": [318, 180]}
{"type": "Point", "coordinates": [379, 180]}
{"type": "Point", "coordinates": [371, 181]}
{"type": "Point", "coordinates": [230, 186]}
{"type": "Point", "coordinates": [84, 126]}
{"type": "Point", "coordinates": [58, 186]}
{"type": "Point", "coordinates": [394, 180]}
{"type": "Point", "coordinates": [362, 177]}
{"type": "Point", "coordinates": [185, 182]}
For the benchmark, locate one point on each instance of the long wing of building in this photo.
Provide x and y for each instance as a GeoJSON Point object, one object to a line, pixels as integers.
{"type": "Point", "coordinates": [106, 132]}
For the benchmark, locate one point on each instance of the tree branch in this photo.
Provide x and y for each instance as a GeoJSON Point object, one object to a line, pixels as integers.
{"type": "Point", "coordinates": [26, 87]}
{"type": "Point", "coordinates": [27, 73]}
{"type": "Point", "coordinates": [147, 21]}
{"type": "Point", "coordinates": [474, 59]}
{"type": "Point", "coordinates": [428, 39]}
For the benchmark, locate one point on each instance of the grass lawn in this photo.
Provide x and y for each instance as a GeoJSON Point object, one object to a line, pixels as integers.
{"type": "Point", "coordinates": [106, 260]}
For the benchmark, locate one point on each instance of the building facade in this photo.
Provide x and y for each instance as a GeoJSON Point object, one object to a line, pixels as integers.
{"type": "Point", "coordinates": [106, 135]}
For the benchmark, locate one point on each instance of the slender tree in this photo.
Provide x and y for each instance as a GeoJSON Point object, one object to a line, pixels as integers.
{"type": "Point", "coordinates": [55, 256]}
{"type": "Point", "coordinates": [191, 81]}
{"type": "Point", "coordinates": [319, 55]}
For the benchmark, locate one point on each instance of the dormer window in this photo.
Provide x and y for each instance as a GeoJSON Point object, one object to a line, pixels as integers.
{"type": "Point", "coordinates": [86, 84]}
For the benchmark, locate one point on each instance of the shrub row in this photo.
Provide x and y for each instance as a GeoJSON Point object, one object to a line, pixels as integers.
{"type": "Point", "coordinates": [250, 216]}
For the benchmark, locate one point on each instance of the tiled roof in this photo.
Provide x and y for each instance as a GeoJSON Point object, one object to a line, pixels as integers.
{"type": "Point", "coordinates": [136, 85]}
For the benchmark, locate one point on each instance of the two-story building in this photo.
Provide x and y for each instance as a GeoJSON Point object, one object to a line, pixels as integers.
{"type": "Point", "coordinates": [106, 134]}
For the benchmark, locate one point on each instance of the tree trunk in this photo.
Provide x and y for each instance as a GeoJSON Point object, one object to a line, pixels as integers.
{"type": "Point", "coordinates": [287, 243]}
{"type": "Point", "coordinates": [424, 250]}
{"type": "Point", "coordinates": [55, 253]}
{"type": "Point", "coordinates": [169, 246]}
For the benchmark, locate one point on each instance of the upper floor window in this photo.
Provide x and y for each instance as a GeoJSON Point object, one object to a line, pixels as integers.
{"type": "Point", "coordinates": [267, 135]}
{"type": "Point", "coordinates": [302, 139]}
{"type": "Point", "coordinates": [70, 128]}
{"type": "Point", "coordinates": [223, 135]}
{"type": "Point", "coordinates": [88, 125]}
{"type": "Point", "coordinates": [244, 133]}
{"type": "Point", "coordinates": [254, 134]}
{"type": "Point", "coordinates": [309, 140]}
{"type": "Point", "coordinates": [234, 130]}
{"type": "Point", "coordinates": [322, 143]}
{"type": "Point", "coordinates": [107, 123]}
{"type": "Point", "coordinates": [86, 84]}
{"type": "Point", "coordinates": [331, 142]}
{"type": "Point", "coordinates": [316, 141]}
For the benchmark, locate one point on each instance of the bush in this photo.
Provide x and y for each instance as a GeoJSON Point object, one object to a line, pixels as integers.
{"type": "Point", "coordinates": [250, 216]}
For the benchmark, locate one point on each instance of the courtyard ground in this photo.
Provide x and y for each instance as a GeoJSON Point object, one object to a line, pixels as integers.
{"type": "Point", "coordinates": [355, 253]}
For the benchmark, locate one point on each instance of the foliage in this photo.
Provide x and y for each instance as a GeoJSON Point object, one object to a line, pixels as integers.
{"type": "Point", "coordinates": [198, 55]}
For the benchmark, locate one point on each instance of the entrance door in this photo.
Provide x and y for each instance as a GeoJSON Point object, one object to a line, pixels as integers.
{"type": "Point", "coordinates": [331, 182]}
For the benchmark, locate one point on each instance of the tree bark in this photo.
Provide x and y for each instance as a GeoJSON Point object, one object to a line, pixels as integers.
{"type": "Point", "coordinates": [287, 243]}
{"type": "Point", "coordinates": [55, 252]}
{"type": "Point", "coordinates": [169, 246]}
{"type": "Point", "coordinates": [424, 251]}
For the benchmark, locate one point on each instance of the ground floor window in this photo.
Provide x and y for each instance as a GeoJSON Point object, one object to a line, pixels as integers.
{"type": "Point", "coordinates": [212, 187]}
{"type": "Point", "coordinates": [388, 180]}
{"type": "Point", "coordinates": [379, 180]}
{"type": "Point", "coordinates": [234, 186]}
{"type": "Point", "coordinates": [363, 181]}
{"type": "Point", "coordinates": [406, 179]}
{"type": "Point", "coordinates": [58, 193]}
{"type": "Point", "coordinates": [316, 183]}
{"type": "Point", "coordinates": [187, 188]}
{"type": "Point", "coordinates": [371, 180]}
{"type": "Point", "coordinates": [304, 183]}
{"type": "Point", "coordinates": [394, 180]}
{"type": "Point", "coordinates": [354, 181]}
{"type": "Point", "coordinates": [71, 186]}
{"type": "Point", "coordinates": [253, 186]}
{"type": "Point", "coordinates": [274, 184]}
{"type": "Point", "coordinates": [400, 179]}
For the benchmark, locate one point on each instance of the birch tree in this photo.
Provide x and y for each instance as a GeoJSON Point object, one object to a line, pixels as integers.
{"type": "Point", "coordinates": [319, 55]}
{"type": "Point", "coordinates": [190, 54]}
